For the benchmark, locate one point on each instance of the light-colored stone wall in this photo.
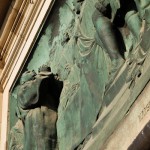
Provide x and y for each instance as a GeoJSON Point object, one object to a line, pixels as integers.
{"type": "Point", "coordinates": [133, 123]}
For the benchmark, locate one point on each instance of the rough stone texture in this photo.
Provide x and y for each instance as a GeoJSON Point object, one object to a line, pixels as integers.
{"type": "Point", "coordinates": [102, 56]}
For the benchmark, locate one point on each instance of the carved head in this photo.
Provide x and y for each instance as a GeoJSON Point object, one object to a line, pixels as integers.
{"type": "Point", "coordinates": [45, 70]}
{"type": "Point", "coordinates": [27, 76]}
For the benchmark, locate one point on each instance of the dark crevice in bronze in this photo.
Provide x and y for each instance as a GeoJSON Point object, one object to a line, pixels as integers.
{"type": "Point", "coordinates": [83, 143]}
{"type": "Point", "coordinates": [125, 6]}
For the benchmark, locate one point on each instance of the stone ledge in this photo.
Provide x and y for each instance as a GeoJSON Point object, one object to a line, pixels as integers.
{"type": "Point", "coordinates": [134, 122]}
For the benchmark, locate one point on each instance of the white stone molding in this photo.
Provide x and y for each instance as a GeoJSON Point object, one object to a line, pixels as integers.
{"type": "Point", "coordinates": [26, 19]}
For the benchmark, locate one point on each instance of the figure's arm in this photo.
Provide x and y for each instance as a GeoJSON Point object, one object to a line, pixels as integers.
{"type": "Point", "coordinates": [106, 32]}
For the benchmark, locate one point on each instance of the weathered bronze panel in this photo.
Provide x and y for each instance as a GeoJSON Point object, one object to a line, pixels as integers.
{"type": "Point", "coordinates": [100, 51]}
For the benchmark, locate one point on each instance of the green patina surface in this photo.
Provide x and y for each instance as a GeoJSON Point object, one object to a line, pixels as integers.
{"type": "Point", "coordinates": [101, 55]}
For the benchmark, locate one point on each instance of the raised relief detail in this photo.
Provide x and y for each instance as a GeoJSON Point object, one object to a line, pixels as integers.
{"type": "Point", "coordinates": [38, 100]}
{"type": "Point", "coordinates": [100, 50]}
